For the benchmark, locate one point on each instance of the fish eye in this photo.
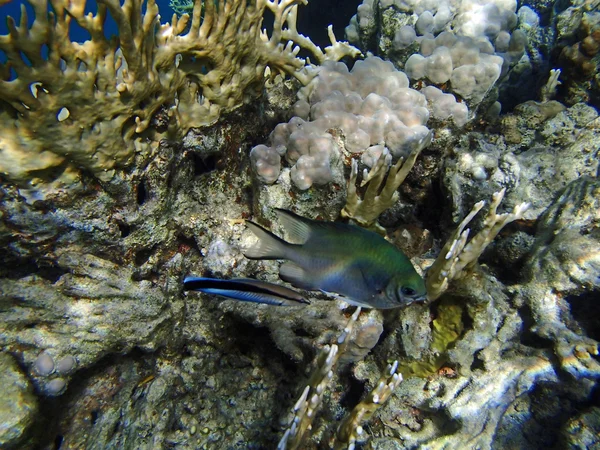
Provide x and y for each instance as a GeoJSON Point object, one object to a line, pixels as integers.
{"type": "Point", "coordinates": [409, 292]}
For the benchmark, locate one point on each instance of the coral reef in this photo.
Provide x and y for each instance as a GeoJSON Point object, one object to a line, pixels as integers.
{"type": "Point", "coordinates": [458, 256]}
{"type": "Point", "coordinates": [578, 30]}
{"type": "Point", "coordinates": [538, 138]}
{"type": "Point", "coordinates": [105, 93]}
{"type": "Point", "coordinates": [127, 164]}
{"type": "Point", "coordinates": [377, 199]}
{"type": "Point", "coordinates": [370, 107]}
{"type": "Point", "coordinates": [559, 272]}
{"type": "Point", "coordinates": [463, 47]}
{"type": "Point", "coordinates": [98, 274]}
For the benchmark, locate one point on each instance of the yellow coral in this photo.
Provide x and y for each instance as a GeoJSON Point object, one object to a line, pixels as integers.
{"type": "Point", "coordinates": [447, 328]}
{"type": "Point", "coordinates": [89, 105]}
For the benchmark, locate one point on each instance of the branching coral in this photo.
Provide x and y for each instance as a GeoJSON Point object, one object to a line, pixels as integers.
{"type": "Point", "coordinates": [377, 199]}
{"type": "Point", "coordinates": [89, 105]}
{"type": "Point", "coordinates": [548, 91]}
{"type": "Point", "coordinates": [350, 428]}
{"type": "Point", "coordinates": [306, 407]}
{"type": "Point", "coordinates": [458, 255]}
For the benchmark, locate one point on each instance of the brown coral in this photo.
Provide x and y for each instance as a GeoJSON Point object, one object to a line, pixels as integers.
{"type": "Point", "coordinates": [89, 105]}
{"type": "Point", "coordinates": [581, 60]}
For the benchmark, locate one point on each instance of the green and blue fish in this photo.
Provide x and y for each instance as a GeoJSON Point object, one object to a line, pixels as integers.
{"type": "Point", "coordinates": [356, 264]}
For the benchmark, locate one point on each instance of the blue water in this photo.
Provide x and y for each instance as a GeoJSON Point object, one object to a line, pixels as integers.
{"type": "Point", "coordinates": [313, 19]}
{"type": "Point", "coordinates": [13, 9]}
{"type": "Point", "coordinates": [77, 34]}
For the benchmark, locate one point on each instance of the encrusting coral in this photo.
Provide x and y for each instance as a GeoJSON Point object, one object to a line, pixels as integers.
{"type": "Point", "coordinates": [90, 105]}
{"type": "Point", "coordinates": [446, 329]}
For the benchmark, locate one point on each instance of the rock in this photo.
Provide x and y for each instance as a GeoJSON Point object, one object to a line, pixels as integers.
{"type": "Point", "coordinates": [562, 150]}
{"type": "Point", "coordinates": [582, 430]}
{"type": "Point", "coordinates": [18, 404]}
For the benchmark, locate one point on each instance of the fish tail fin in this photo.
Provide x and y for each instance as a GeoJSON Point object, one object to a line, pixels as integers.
{"type": "Point", "coordinates": [268, 246]}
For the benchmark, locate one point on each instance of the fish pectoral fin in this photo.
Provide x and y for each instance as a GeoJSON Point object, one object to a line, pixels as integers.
{"type": "Point", "coordinates": [343, 298]}
{"type": "Point", "coordinates": [296, 275]}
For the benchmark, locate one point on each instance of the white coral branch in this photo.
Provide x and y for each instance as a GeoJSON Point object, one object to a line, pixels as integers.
{"type": "Point", "coordinates": [457, 255]}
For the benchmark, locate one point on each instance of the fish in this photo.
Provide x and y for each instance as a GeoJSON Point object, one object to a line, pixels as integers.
{"type": "Point", "coordinates": [246, 289]}
{"type": "Point", "coordinates": [353, 263]}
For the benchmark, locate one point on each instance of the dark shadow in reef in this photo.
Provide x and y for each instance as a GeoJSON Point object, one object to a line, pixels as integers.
{"type": "Point", "coordinates": [107, 384]}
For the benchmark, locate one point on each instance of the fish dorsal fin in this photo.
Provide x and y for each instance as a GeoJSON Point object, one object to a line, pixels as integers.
{"type": "Point", "coordinates": [298, 228]}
